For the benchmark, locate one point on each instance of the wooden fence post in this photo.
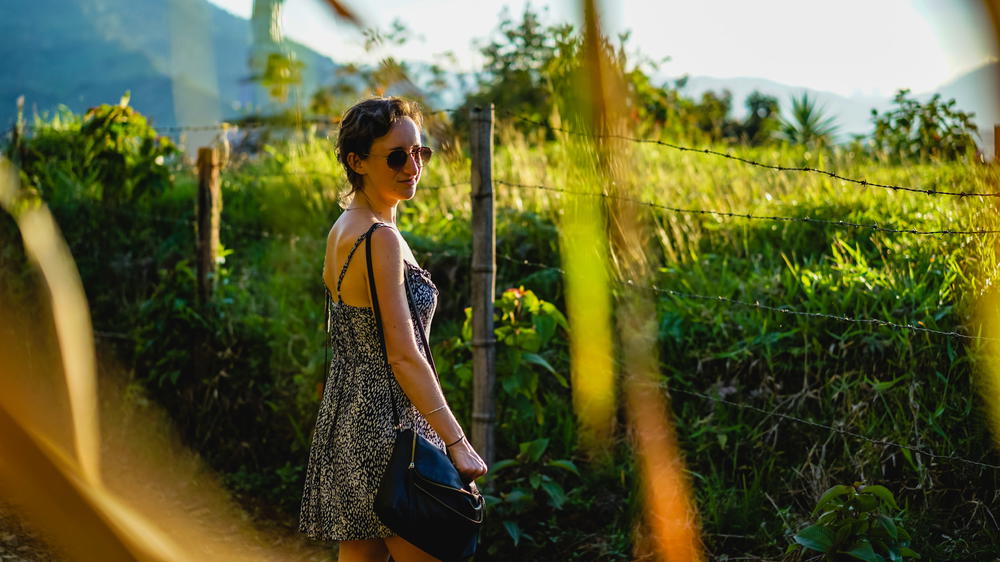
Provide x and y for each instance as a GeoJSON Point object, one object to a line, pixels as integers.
{"type": "Point", "coordinates": [209, 217]}
{"type": "Point", "coordinates": [996, 144]}
{"type": "Point", "coordinates": [483, 282]}
{"type": "Point", "coordinates": [17, 133]}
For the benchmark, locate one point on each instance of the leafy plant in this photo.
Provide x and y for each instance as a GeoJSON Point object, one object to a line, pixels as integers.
{"type": "Point", "coordinates": [854, 522]}
{"type": "Point", "coordinates": [532, 388]}
{"type": "Point", "coordinates": [531, 359]}
{"type": "Point", "coordinates": [808, 125]}
{"type": "Point", "coordinates": [923, 131]}
{"type": "Point", "coordinates": [527, 488]}
{"type": "Point", "coordinates": [111, 154]}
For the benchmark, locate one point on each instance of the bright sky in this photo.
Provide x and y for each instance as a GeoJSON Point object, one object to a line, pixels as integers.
{"type": "Point", "coordinates": [848, 47]}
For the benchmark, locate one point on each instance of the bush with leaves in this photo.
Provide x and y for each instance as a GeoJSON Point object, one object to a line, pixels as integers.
{"type": "Point", "coordinates": [534, 396]}
{"type": "Point", "coordinates": [914, 131]}
{"type": "Point", "coordinates": [855, 522]}
{"type": "Point", "coordinates": [110, 155]}
{"type": "Point", "coordinates": [209, 364]}
{"type": "Point", "coordinates": [527, 490]}
{"type": "Point", "coordinates": [103, 174]}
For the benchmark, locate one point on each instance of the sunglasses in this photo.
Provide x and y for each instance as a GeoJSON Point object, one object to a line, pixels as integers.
{"type": "Point", "coordinates": [397, 157]}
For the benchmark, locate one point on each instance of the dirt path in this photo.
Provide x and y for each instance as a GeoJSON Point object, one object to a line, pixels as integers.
{"type": "Point", "coordinates": [18, 542]}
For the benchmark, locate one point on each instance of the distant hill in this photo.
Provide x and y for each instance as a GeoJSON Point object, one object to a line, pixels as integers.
{"type": "Point", "coordinates": [83, 53]}
{"type": "Point", "coordinates": [977, 90]}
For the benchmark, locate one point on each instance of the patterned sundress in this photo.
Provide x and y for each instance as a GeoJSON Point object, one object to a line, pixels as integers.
{"type": "Point", "coordinates": [354, 431]}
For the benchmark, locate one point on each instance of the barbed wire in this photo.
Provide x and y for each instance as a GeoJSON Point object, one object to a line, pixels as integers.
{"type": "Point", "coordinates": [336, 176]}
{"type": "Point", "coordinates": [756, 304]}
{"type": "Point", "coordinates": [861, 182]}
{"type": "Point", "coordinates": [237, 125]}
{"type": "Point", "coordinates": [522, 118]}
{"type": "Point", "coordinates": [790, 417]}
{"type": "Point", "coordinates": [218, 126]}
{"type": "Point", "coordinates": [631, 284]}
{"type": "Point", "coordinates": [856, 435]}
{"type": "Point", "coordinates": [836, 223]}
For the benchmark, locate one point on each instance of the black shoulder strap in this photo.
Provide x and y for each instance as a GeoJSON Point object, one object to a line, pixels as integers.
{"type": "Point", "coordinates": [378, 314]}
{"type": "Point", "coordinates": [376, 311]}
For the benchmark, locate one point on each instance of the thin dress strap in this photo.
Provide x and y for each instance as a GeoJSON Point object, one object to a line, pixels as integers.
{"type": "Point", "coordinates": [375, 313]}
{"type": "Point", "coordinates": [351, 254]}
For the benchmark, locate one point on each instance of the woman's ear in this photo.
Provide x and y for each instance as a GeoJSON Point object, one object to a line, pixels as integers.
{"type": "Point", "coordinates": [356, 163]}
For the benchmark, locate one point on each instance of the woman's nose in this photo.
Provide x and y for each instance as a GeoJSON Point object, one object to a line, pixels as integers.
{"type": "Point", "coordinates": [413, 163]}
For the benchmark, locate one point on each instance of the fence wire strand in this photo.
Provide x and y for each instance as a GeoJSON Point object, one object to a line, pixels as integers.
{"type": "Point", "coordinates": [756, 304]}
{"type": "Point", "coordinates": [862, 182]}
{"type": "Point", "coordinates": [856, 435]}
{"type": "Point", "coordinates": [828, 222]}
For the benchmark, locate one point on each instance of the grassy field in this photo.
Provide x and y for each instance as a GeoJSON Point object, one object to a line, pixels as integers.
{"type": "Point", "coordinates": [772, 408]}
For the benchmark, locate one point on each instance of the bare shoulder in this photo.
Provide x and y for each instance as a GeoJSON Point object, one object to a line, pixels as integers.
{"type": "Point", "coordinates": [387, 247]}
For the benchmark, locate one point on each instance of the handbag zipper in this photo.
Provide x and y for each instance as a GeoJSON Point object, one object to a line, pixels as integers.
{"type": "Point", "coordinates": [460, 514]}
{"type": "Point", "coordinates": [445, 486]}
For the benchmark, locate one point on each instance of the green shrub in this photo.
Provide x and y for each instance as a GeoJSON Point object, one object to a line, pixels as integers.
{"type": "Point", "coordinates": [532, 363]}
{"type": "Point", "coordinates": [110, 155]}
{"type": "Point", "coordinates": [857, 522]}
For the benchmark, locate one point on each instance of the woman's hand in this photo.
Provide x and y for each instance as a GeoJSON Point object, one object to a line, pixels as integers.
{"type": "Point", "coordinates": [468, 462]}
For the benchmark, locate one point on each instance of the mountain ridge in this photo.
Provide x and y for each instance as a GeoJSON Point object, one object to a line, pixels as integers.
{"type": "Point", "coordinates": [974, 90]}
{"type": "Point", "coordinates": [95, 50]}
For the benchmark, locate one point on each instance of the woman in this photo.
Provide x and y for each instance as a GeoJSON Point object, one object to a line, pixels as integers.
{"type": "Point", "coordinates": [380, 149]}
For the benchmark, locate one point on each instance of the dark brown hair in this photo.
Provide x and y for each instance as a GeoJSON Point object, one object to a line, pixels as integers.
{"type": "Point", "coordinates": [366, 121]}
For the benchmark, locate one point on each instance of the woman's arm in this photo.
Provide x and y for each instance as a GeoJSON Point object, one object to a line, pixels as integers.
{"type": "Point", "coordinates": [411, 369]}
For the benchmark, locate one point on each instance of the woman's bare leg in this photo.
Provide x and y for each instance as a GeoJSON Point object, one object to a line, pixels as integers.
{"type": "Point", "coordinates": [404, 551]}
{"type": "Point", "coordinates": [371, 550]}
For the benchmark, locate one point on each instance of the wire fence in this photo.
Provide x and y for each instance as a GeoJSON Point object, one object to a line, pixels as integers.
{"type": "Point", "coordinates": [776, 167]}
{"type": "Point", "coordinates": [718, 300]}
{"type": "Point", "coordinates": [849, 433]}
{"type": "Point", "coordinates": [783, 309]}
{"type": "Point", "coordinates": [828, 222]}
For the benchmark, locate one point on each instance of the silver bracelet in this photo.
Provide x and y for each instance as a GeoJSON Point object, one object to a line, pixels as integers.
{"type": "Point", "coordinates": [435, 409]}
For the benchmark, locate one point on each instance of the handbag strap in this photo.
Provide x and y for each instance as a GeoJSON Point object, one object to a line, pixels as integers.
{"type": "Point", "coordinates": [378, 316]}
{"type": "Point", "coordinates": [376, 311]}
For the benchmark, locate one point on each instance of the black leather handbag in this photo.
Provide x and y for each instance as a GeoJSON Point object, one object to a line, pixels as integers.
{"type": "Point", "coordinates": [421, 496]}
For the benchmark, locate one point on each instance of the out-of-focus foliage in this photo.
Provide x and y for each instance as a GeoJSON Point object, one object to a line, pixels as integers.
{"type": "Point", "coordinates": [762, 122]}
{"type": "Point", "coordinates": [808, 125]}
{"type": "Point", "coordinates": [110, 155]}
{"type": "Point", "coordinates": [914, 131]}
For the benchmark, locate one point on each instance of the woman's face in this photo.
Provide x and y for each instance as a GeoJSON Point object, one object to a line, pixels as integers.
{"type": "Point", "coordinates": [381, 180]}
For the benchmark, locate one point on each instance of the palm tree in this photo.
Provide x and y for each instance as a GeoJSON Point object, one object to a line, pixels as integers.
{"type": "Point", "coordinates": [808, 125]}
